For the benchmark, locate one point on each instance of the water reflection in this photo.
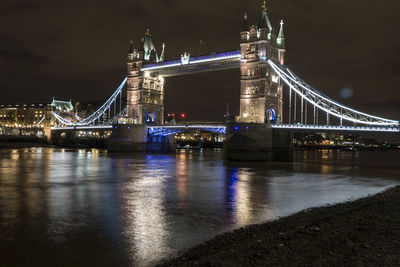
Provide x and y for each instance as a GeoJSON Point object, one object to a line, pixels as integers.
{"type": "Point", "coordinates": [242, 198]}
{"type": "Point", "coordinates": [247, 193]}
{"type": "Point", "coordinates": [86, 207]}
{"type": "Point", "coordinates": [144, 215]}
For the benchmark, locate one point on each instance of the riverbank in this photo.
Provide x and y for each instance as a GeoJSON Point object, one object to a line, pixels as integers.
{"type": "Point", "coordinates": [364, 232]}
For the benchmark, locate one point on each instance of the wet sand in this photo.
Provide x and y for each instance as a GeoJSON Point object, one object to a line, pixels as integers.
{"type": "Point", "coordinates": [365, 232]}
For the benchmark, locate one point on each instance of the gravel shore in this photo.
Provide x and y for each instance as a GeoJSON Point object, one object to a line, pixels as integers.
{"type": "Point", "coordinates": [365, 232]}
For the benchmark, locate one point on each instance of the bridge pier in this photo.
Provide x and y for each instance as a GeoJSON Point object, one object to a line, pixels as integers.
{"type": "Point", "coordinates": [63, 138]}
{"type": "Point", "coordinates": [135, 138]}
{"type": "Point", "coordinates": [161, 143]}
{"type": "Point", "coordinates": [257, 142]}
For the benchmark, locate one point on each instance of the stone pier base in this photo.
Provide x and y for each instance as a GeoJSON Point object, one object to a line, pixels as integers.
{"type": "Point", "coordinates": [257, 142]}
{"type": "Point", "coordinates": [134, 138]}
{"type": "Point", "coordinates": [161, 144]}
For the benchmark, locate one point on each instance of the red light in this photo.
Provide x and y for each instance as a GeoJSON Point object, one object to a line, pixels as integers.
{"type": "Point", "coordinates": [173, 115]}
{"type": "Point", "coordinates": [183, 115]}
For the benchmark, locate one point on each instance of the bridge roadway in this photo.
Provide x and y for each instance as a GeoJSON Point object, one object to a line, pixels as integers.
{"type": "Point", "coordinates": [167, 130]}
{"type": "Point", "coordinates": [221, 128]}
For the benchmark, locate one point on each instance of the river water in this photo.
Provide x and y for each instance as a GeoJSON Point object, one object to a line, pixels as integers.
{"type": "Point", "coordinates": [63, 207]}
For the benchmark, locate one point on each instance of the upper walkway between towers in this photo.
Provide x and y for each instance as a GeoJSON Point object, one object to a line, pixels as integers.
{"type": "Point", "coordinates": [187, 64]}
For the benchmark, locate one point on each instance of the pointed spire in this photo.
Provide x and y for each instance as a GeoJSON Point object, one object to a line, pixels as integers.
{"type": "Point", "coordinates": [245, 25]}
{"type": "Point", "coordinates": [281, 37]}
{"type": "Point", "coordinates": [148, 46]}
{"type": "Point", "coordinates": [130, 51]}
{"type": "Point", "coordinates": [263, 21]}
{"type": "Point", "coordinates": [263, 24]}
{"type": "Point", "coordinates": [142, 45]}
{"type": "Point", "coordinates": [162, 57]}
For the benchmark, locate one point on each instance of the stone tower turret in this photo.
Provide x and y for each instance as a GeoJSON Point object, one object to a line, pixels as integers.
{"type": "Point", "coordinates": [260, 88]}
{"type": "Point", "coordinates": [134, 83]}
{"type": "Point", "coordinates": [145, 90]}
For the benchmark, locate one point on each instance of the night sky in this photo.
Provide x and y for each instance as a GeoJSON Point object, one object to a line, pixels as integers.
{"type": "Point", "coordinates": [77, 49]}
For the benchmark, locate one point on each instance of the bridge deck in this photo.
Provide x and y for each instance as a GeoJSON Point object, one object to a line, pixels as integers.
{"type": "Point", "coordinates": [317, 128]}
{"type": "Point", "coordinates": [221, 128]}
{"type": "Point", "coordinates": [219, 61]}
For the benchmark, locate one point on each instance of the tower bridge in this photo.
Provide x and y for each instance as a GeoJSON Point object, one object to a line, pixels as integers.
{"type": "Point", "coordinates": [263, 78]}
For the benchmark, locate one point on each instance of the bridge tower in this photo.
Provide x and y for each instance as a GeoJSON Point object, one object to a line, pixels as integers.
{"type": "Point", "coordinates": [145, 91]}
{"type": "Point", "coordinates": [260, 89]}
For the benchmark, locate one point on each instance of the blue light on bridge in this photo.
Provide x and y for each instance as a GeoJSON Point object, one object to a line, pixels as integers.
{"type": "Point", "coordinates": [247, 127]}
{"type": "Point", "coordinates": [236, 128]}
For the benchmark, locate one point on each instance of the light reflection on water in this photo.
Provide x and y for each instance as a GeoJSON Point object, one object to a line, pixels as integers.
{"type": "Point", "coordinates": [87, 207]}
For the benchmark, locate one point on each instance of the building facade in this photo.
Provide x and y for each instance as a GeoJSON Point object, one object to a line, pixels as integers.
{"type": "Point", "coordinates": [260, 89]}
{"type": "Point", "coordinates": [24, 115]}
{"type": "Point", "coordinates": [32, 115]}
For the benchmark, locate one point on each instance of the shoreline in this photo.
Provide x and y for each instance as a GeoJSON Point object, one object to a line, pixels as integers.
{"type": "Point", "coordinates": [363, 232]}
{"type": "Point", "coordinates": [17, 145]}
